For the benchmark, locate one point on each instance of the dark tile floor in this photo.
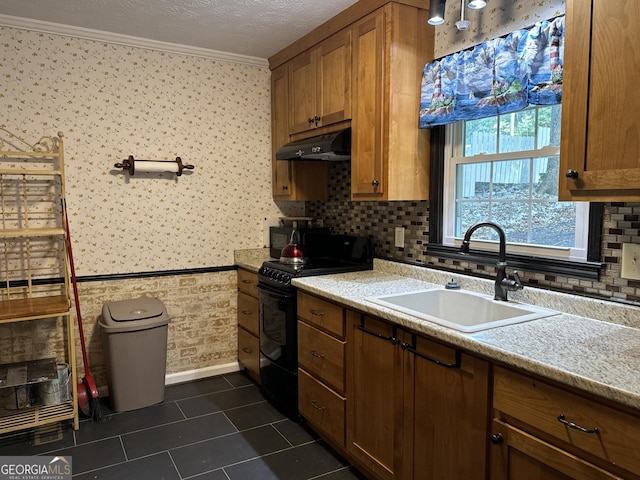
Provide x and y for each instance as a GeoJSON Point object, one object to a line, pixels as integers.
{"type": "Point", "coordinates": [219, 428]}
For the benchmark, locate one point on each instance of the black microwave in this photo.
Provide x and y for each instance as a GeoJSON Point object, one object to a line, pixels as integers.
{"type": "Point", "coordinates": [279, 237]}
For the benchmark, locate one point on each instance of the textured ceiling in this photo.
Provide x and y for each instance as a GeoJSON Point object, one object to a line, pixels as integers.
{"type": "Point", "coordinates": [256, 28]}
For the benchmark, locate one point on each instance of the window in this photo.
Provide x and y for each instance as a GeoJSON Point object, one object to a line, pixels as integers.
{"type": "Point", "coordinates": [504, 169]}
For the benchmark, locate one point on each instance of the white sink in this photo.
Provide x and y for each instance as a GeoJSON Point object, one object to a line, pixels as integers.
{"type": "Point", "coordinates": [461, 309]}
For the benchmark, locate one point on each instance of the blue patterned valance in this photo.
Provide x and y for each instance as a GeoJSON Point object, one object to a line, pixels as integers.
{"type": "Point", "coordinates": [499, 76]}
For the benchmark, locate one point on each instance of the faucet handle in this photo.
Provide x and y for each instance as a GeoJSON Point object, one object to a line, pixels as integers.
{"type": "Point", "coordinates": [517, 284]}
{"type": "Point", "coordinates": [512, 284]}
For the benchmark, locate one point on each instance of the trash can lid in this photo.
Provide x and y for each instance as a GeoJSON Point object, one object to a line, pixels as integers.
{"type": "Point", "coordinates": [135, 309]}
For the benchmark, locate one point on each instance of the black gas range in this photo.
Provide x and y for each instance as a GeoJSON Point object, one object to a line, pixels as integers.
{"type": "Point", "coordinates": [279, 275]}
{"type": "Point", "coordinates": [328, 254]}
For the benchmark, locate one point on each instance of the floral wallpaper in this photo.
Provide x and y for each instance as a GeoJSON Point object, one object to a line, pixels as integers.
{"type": "Point", "coordinates": [113, 101]}
{"type": "Point", "coordinates": [498, 18]}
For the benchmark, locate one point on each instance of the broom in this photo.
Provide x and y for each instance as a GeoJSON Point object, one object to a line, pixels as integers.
{"type": "Point", "coordinates": [88, 399]}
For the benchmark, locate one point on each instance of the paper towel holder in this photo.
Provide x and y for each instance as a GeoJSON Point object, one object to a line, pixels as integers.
{"type": "Point", "coordinates": [174, 166]}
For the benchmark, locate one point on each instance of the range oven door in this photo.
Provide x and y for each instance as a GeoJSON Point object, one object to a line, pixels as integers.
{"type": "Point", "coordinates": [279, 348]}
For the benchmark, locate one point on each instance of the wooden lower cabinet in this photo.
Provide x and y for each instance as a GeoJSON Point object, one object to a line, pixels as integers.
{"type": "Point", "coordinates": [374, 396]}
{"type": "Point", "coordinates": [543, 431]}
{"type": "Point", "coordinates": [446, 405]}
{"type": "Point", "coordinates": [248, 329]}
{"type": "Point", "coordinates": [396, 404]}
{"type": "Point", "coordinates": [321, 372]}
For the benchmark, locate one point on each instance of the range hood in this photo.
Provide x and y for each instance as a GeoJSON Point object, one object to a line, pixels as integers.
{"type": "Point", "coordinates": [331, 147]}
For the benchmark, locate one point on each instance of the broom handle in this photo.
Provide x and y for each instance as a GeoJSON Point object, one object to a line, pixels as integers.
{"type": "Point", "coordinates": [75, 288]}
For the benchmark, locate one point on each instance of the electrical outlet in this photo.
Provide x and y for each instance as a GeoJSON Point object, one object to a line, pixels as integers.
{"type": "Point", "coordinates": [399, 237]}
{"type": "Point", "coordinates": [630, 261]}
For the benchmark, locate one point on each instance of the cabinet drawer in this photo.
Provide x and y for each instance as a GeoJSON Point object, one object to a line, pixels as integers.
{"type": "Point", "coordinates": [325, 315]}
{"type": "Point", "coordinates": [322, 355]}
{"type": "Point", "coordinates": [247, 282]}
{"type": "Point", "coordinates": [322, 407]}
{"type": "Point", "coordinates": [249, 352]}
{"type": "Point", "coordinates": [248, 312]}
{"type": "Point", "coordinates": [543, 407]}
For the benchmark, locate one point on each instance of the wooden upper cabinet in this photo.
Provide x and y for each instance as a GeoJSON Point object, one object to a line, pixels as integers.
{"type": "Point", "coordinates": [291, 180]}
{"type": "Point", "coordinates": [282, 187]}
{"type": "Point", "coordinates": [390, 154]}
{"type": "Point", "coordinates": [367, 167]}
{"type": "Point", "coordinates": [600, 120]}
{"type": "Point", "coordinates": [320, 84]}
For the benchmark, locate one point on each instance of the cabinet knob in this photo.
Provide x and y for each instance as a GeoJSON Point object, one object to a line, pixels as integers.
{"type": "Point", "coordinates": [496, 439]}
{"type": "Point", "coordinates": [375, 183]}
{"type": "Point", "coordinates": [285, 187]}
{"type": "Point", "coordinates": [571, 174]}
{"type": "Point", "coordinates": [310, 120]}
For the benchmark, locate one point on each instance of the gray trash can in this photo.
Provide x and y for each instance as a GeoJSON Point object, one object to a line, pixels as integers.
{"type": "Point", "coordinates": [135, 351]}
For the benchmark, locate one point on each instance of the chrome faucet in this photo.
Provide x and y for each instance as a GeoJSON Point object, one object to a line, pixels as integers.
{"type": "Point", "coordinates": [503, 283]}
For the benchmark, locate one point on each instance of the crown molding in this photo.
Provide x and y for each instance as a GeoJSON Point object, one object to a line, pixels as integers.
{"type": "Point", "coordinates": [128, 40]}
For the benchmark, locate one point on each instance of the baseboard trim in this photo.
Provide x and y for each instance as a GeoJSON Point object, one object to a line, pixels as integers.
{"type": "Point", "coordinates": [190, 375]}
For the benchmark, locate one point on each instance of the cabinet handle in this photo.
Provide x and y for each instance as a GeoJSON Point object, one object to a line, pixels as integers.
{"type": "Point", "coordinates": [572, 174]}
{"type": "Point", "coordinates": [246, 350]}
{"type": "Point", "coordinates": [562, 419]}
{"type": "Point", "coordinates": [393, 338]}
{"type": "Point", "coordinates": [496, 439]}
{"type": "Point", "coordinates": [285, 187]}
{"type": "Point", "coordinates": [313, 353]}
{"type": "Point", "coordinates": [310, 120]}
{"type": "Point", "coordinates": [245, 281]}
{"type": "Point", "coordinates": [246, 312]}
{"type": "Point", "coordinates": [316, 313]}
{"type": "Point", "coordinates": [375, 183]}
{"type": "Point", "coordinates": [315, 405]}
{"type": "Point", "coordinates": [412, 348]}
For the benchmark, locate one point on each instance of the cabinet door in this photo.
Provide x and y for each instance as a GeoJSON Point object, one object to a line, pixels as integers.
{"type": "Point", "coordinates": [446, 412]}
{"type": "Point", "coordinates": [292, 180]}
{"type": "Point", "coordinates": [282, 169]}
{"type": "Point", "coordinates": [600, 122]}
{"type": "Point", "coordinates": [333, 79]}
{"type": "Point", "coordinates": [374, 389]}
{"type": "Point", "coordinates": [367, 148]}
{"type": "Point", "coordinates": [302, 92]}
{"type": "Point", "coordinates": [516, 455]}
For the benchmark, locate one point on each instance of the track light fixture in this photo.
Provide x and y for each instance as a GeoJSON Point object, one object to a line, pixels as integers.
{"type": "Point", "coordinates": [437, 8]}
{"type": "Point", "coordinates": [436, 12]}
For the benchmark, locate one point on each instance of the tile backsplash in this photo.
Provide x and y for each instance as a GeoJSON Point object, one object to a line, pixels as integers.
{"type": "Point", "coordinates": [378, 220]}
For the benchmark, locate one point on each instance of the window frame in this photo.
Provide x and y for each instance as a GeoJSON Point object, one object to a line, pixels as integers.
{"type": "Point", "coordinates": [589, 269]}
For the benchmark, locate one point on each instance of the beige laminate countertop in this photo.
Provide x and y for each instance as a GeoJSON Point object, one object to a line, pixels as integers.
{"type": "Point", "coordinates": [593, 345]}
